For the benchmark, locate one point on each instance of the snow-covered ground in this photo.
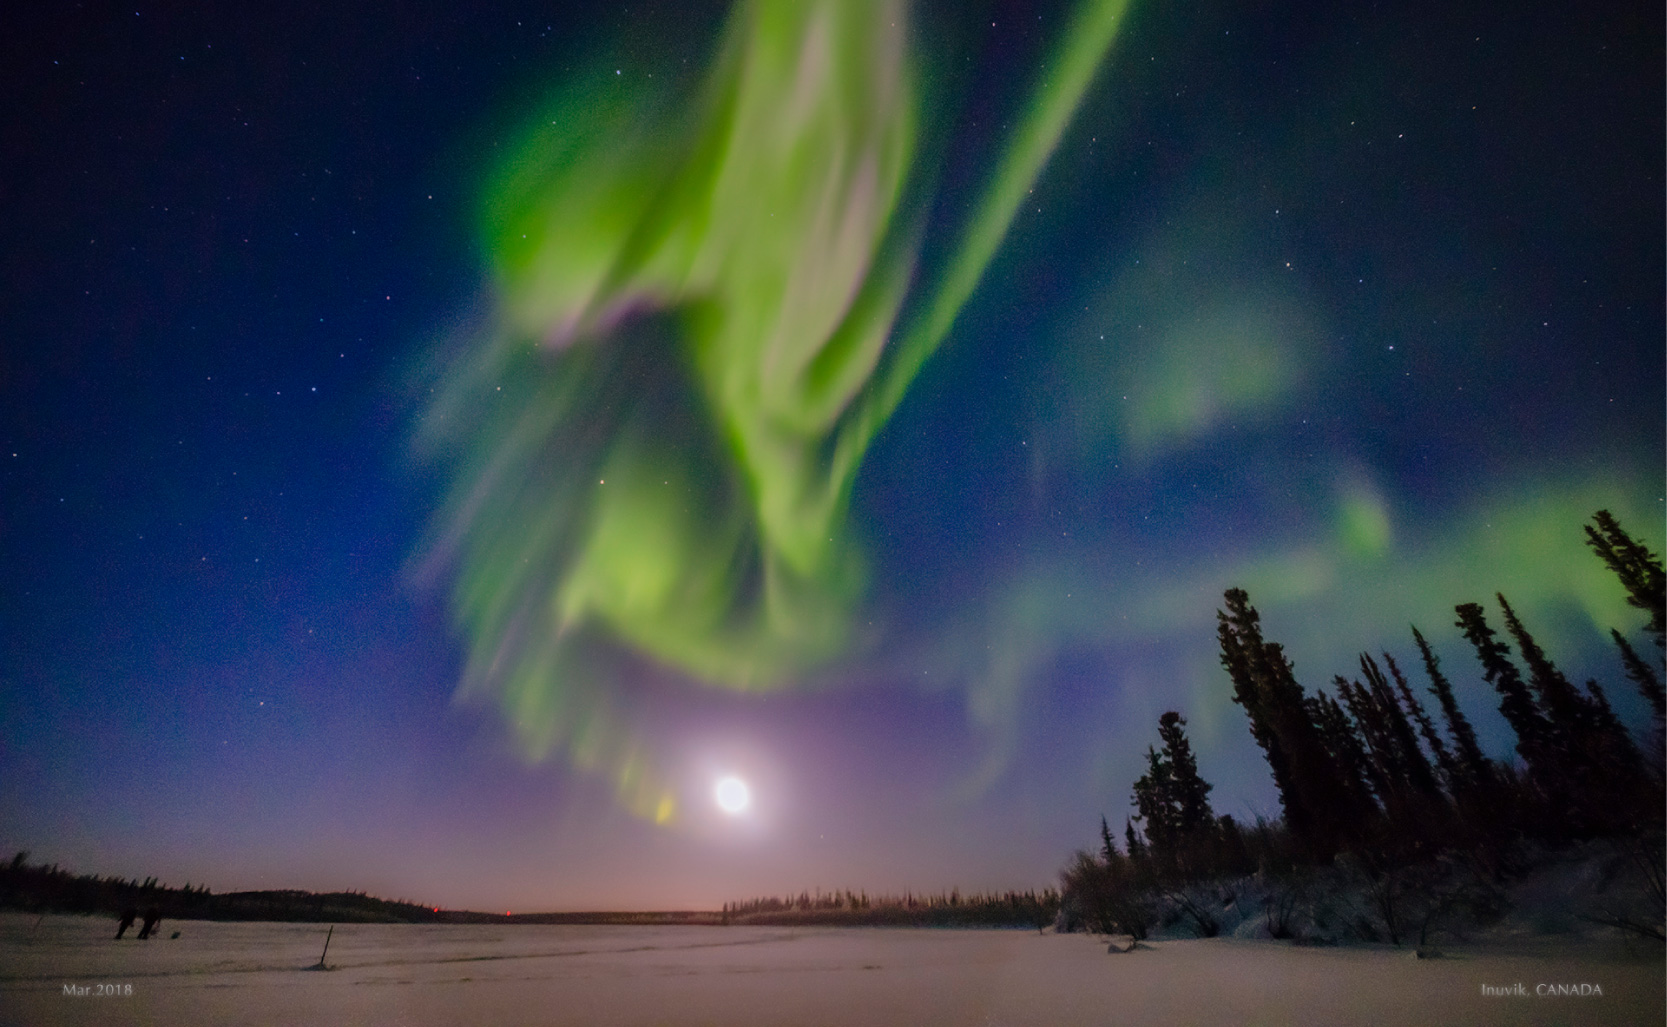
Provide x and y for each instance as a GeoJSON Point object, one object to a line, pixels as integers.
{"type": "Point", "coordinates": [462, 976]}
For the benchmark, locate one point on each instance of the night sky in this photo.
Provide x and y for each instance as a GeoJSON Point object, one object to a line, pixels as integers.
{"type": "Point", "coordinates": [309, 572]}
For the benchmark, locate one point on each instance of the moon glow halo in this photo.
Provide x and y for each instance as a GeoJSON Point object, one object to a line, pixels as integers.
{"type": "Point", "coordinates": [733, 795]}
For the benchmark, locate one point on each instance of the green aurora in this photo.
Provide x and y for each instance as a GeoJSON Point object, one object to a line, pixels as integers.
{"type": "Point", "coordinates": [703, 315]}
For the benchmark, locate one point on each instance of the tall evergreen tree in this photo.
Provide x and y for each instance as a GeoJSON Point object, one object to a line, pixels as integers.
{"type": "Point", "coordinates": [1604, 767]}
{"type": "Point", "coordinates": [1415, 709]}
{"type": "Point", "coordinates": [1516, 704]}
{"type": "Point", "coordinates": [1192, 793]}
{"type": "Point", "coordinates": [1642, 675]}
{"type": "Point", "coordinates": [1570, 719]}
{"type": "Point", "coordinates": [1173, 802]}
{"type": "Point", "coordinates": [1153, 800]}
{"type": "Point", "coordinates": [1372, 743]}
{"type": "Point", "coordinates": [1316, 803]}
{"type": "Point", "coordinates": [1608, 724]}
{"type": "Point", "coordinates": [1474, 767]}
{"type": "Point", "coordinates": [1410, 765]}
{"type": "Point", "coordinates": [1640, 570]}
{"type": "Point", "coordinates": [1257, 671]}
{"type": "Point", "coordinates": [1131, 838]}
{"type": "Point", "coordinates": [1619, 763]}
{"type": "Point", "coordinates": [1356, 772]}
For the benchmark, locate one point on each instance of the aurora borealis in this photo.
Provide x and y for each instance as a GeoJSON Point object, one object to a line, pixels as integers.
{"type": "Point", "coordinates": [770, 238]}
{"type": "Point", "coordinates": [449, 442]}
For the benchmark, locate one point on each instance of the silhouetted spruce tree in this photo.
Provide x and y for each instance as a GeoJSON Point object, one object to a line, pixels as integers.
{"type": "Point", "coordinates": [1152, 800]}
{"type": "Point", "coordinates": [1472, 767]}
{"type": "Point", "coordinates": [1626, 790]}
{"type": "Point", "coordinates": [1413, 811]}
{"type": "Point", "coordinates": [1602, 765]}
{"type": "Point", "coordinates": [1376, 715]}
{"type": "Point", "coordinates": [1174, 803]}
{"type": "Point", "coordinates": [1570, 719]}
{"type": "Point", "coordinates": [1192, 793]}
{"type": "Point", "coordinates": [1608, 725]}
{"type": "Point", "coordinates": [1516, 704]}
{"type": "Point", "coordinates": [1640, 570]}
{"type": "Point", "coordinates": [1412, 768]}
{"type": "Point", "coordinates": [1372, 743]}
{"type": "Point", "coordinates": [1317, 806]}
{"type": "Point", "coordinates": [1642, 675]}
{"type": "Point", "coordinates": [1131, 838]}
{"type": "Point", "coordinates": [1254, 671]}
{"type": "Point", "coordinates": [1356, 773]}
{"type": "Point", "coordinates": [1415, 709]}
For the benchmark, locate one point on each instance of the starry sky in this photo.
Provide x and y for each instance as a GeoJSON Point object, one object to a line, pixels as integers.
{"type": "Point", "coordinates": [309, 574]}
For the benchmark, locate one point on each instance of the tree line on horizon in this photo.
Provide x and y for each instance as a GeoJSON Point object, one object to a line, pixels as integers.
{"type": "Point", "coordinates": [49, 888]}
{"type": "Point", "coordinates": [943, 909]}
{"type": "Point", "coordinates": [1366, 779]}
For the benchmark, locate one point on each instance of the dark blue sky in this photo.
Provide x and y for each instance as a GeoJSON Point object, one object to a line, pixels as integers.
{"type": "Point", "coordinates": [1358, 308]}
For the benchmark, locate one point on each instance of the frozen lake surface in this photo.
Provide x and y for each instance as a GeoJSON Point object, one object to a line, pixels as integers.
{"type": "Point", "coordinates": [460, 976]}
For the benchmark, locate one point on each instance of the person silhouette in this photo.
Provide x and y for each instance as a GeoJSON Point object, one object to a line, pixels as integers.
{"type": "Point", "coordinates": [127, 917]}
{"type": "Point", "coordinates": [152, 918]}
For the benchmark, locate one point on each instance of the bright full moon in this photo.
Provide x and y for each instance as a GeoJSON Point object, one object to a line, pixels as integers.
{"type": "Point", "coordinates": [733, 795]}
